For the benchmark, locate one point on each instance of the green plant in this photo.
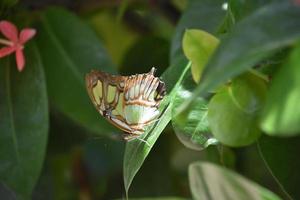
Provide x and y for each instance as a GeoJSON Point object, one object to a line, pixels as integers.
{"type": "Point", "coordinates": [232, 93]}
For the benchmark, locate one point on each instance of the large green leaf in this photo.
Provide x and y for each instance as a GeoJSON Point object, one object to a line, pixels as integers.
{"type": "Point", "coordinates": [234, 110]}
{"type": "Point", "coordinates": [136, 150]}
{"type": "Point", "coordinates": [211, 182]}
{"type": "Point", "coordinates": [207, 15]}
{"type": "Point", "coordinates": [69, 50]}
{"type": "Point", "coordinates": [282, 111]}
{"type": "Point", "coordinates": [23, 123]}
{"type": "Point", "coordinates": [281, 155]}
{"type": "Point", "coordinates": [268, 29]}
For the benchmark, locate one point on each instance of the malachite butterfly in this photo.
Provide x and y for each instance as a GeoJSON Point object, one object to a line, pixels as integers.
{"type": "Point", "coordinates": [128, 102]}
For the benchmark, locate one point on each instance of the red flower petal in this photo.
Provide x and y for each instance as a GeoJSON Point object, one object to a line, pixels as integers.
{"type": "Point", "coordinates": [9, 30]}
{"type": "Point", "coordinates": [6, 51]}
{"type": "Point", "coordinates": [26, 34]}
{"type": "Point", "coordinates": [20, 59]}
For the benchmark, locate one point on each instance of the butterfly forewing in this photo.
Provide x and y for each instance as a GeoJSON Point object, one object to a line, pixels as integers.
{"type": "Point", "coordinates": [129, 102]}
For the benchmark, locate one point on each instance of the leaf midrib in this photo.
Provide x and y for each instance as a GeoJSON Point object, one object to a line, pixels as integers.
{"type": "Point", "coordinates": [11, 114]}
{"type": "Point", "coordinates": [62, 51]}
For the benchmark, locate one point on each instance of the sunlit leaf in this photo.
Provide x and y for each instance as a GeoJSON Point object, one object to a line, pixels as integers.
{"type": "Point", "coordinates": [23, 123]}
{"type": "Point", "coordinates": [69, 50]}
{"type": "Point", "coordinates": [282, 112]}
{"type": "Point", "coordinates": [233, 111]}
{"type": "Point", "coordinates": [211, 182]}
{"type": "Point", "coordinates": [198, 46]}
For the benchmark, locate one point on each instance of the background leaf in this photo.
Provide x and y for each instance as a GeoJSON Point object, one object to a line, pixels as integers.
{"type": "Point", "coordinates": [23, 123]}
{"type": "Point", "coordinates": [282, 113]}
{"type": "Point", "coordinates": [281, 157]}
{"type": "Point", "coordinates": [211, 182]}
{"type": "Point", "coordinates": [69, 50]}
{"type": "Point", "coordinates": [251, 40]}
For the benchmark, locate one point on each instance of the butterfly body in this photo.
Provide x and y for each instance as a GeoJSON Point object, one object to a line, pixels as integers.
{"type": "Point", "coordinates": [129, 102]}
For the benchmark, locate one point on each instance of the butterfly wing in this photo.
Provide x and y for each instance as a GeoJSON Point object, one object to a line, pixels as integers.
{"type": "Point", "coordinates": [128, 102]}
{"type": "Point", "coordinates": [106, 92]}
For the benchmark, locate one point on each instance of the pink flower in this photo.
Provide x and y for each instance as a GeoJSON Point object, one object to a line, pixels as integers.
{"type": "Point", "coordinates": [15, 42]}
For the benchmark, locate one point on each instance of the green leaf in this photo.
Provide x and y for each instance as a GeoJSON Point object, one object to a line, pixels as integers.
{"type": "Point", "coordinates": [191, 126]}
{"type": "Point", "coordinates": [136, 151]}
{"type": "Point", "coordinates": [198, 15]}
{"type": "Point", "coordinates": [69, 50]}
{"type": "Point", "coordinates": [211, 182]}
{"type": "Point", "coordinates": [261, 34]}
{"type": "Point", "coordinates": [233, 111]}
{"type": "Point", "coordinates": [282, 159]}
{"type": "Point", "coordinates": [241, 9]}
{"type": "Point", "coordinates": [282, 112]}
{"type": "Point", "coordinates": [158, 198]}
{"type": "Point", "coordinates": [198, 46]}
{"type": "Point", "coordinates": [23, 123]}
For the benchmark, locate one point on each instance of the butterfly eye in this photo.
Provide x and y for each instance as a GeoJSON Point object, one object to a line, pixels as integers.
{"type": "Point", "coordinates": [105, 113]}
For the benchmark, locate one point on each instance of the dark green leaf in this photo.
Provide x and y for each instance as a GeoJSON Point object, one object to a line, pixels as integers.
{"type": "Point", "coordinates": [282, 158]}
{"type": "Point", "coordinates": [136, 151]}
{"type": "Point", "coordinates": [242, 9]}
{"type": "Point", "coordinates": [233, 111]}
{"type": "Point", "coordinates": [23, 123]}
{"type": "Point", "coordinates": [211, 182]}
{"type": "Point", "coordinates": [70, 50]}
{"type": "Point", "coordinates": [268, 29]}
{"type": "Point", "coordinates": [282, 112]}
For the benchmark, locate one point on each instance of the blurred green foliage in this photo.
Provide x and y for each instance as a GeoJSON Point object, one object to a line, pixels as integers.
{"type": "Point", "coordinates": [54, 144]}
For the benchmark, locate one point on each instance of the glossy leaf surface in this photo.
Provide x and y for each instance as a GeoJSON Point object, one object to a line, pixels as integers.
{"type": "Point", "coordinates": [23, 123]}
{"type": "Point", "coordinates": [70, 49]}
